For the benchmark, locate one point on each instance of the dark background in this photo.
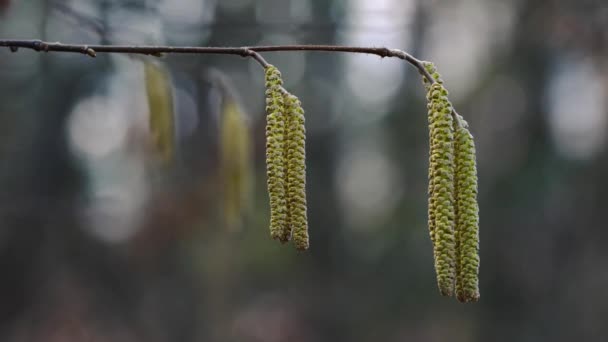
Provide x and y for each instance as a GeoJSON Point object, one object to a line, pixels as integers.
{"type": "Point", "coordinates": [97, 243]}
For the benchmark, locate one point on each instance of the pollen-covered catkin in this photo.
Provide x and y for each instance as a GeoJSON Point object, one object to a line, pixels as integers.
{"type": "Point", "coordinates": [430, 67]}
{"type": "Point", "coordinates": [441, 178]}
{"type": "Point", "coordinates": [467, 216]}
{"type": "Point", "coordinates": [275, 155]}
{"type": "Point", "coordinates": [296, 171]}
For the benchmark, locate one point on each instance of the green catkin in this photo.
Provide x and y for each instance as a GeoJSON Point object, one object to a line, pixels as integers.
{"type": "Point", "coordinates": [296, 171]}
{"type": "Point", "coordinates": [467, 218]}
{"type": "Point", "coordinates": [430, 67]}
{"type": "Point", "coordinates": [160, 104]}
{"type": "Point", "coordinates": [235, 162]}
{"type": "Point", "coordinates": [275, 155]}
{"type": "Point", "coordinates": [441, 178]}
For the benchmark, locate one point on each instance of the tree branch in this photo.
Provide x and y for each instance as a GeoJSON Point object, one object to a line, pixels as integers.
{"type": "Point", "coordinates": [247, 51]}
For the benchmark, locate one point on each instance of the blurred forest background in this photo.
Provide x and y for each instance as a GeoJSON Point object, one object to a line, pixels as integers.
{"type": "Point", "coordinates": [100, 242]}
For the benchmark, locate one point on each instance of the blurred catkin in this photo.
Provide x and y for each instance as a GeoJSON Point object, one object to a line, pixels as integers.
{"type": "Point", "coordinates": [296, 170]}
{"type": "Point", "coordinates": [467, 215]}
{"type": "Point", "coordinates": [160, 103]}
{"type": "Point", "coordinates": [441, 177]}
{"type": "Point", "coordinates": [235, 161]}
{"type": "Point", "coordinates": [275, 155]}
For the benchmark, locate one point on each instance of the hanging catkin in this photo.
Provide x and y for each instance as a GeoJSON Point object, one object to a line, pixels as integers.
{"type": "Point", "coordinates": [430, 67]}
{"type": "Point", "coordinates": [467, 215]}
{"type": "Point", "coordinates": [441, 177]}
{"type": "Point", "coordinates": [235, 162]}
{"type": "Point", "coordinates": [160, 104]}
{"type": "Point", "coordinates": [275, 155]}
{"type": "Point", "coordinates": [296, 170]}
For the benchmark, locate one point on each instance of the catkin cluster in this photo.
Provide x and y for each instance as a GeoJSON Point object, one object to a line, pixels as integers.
{"type": "Point", "coordinates": [285, 162]}
{"type": "Point", "coordinates": [453, 209]}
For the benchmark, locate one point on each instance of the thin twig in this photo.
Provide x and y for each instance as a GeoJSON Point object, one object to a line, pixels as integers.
{"type": "Point", "coordinates": [379, 51]}
{"type": "Point", "coordinates": [247, 51]}
{"type": "Point", "coordinates": [258, 58]}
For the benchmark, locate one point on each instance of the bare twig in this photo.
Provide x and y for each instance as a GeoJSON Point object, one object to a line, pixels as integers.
{"type": "Point", "coordinates": [92, 50]}
{"type": "Point", "coordinates": [379, 51]}
{"type": "Point", "coordinates": [247, 51]}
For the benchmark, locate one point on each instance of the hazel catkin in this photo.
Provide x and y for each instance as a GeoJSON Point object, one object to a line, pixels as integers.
{"type": "Point", "coordinates": [235, 162]}
{"type": "Point", "coordinates": [430, 67]}
{"type": "Point", "coordinates": [275, 154]}
{"type": "Point", "coordinates": [467, 215]}
{"type": "Point", "coordinates": [441, 183]}
{"type": "Point", "coordinates": [296, 170]}
{"type": "Point", "coordinates": [160, 104]}
{"type": "Point", "coordinates": [432, 70]}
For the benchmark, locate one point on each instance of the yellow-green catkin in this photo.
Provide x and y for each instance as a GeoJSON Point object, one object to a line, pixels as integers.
{"type": "Point", "coordinates": [467, 215]}
{"type": "Point", "coordinates": [275, 155]}
{"type": "Point", "coordinates": [160, 103]}
{"type": "Point", "coordinates": [235, 162]}
{"type": "Point", "coordinates": [441, 178]}
{"type": "Point", "coordinates": [430, 67]}
{"type": "Point", "coordinates": [296, 171]}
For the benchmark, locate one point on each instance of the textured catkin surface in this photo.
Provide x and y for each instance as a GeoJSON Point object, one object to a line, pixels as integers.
{"type": "Point", "coordinates": [275, 155]}
{"type": "Point", "coordinates": [441, 176]}
{"type": "Point", "coordinates": [430, 67]}
{"type": "Point", "coordinates": [296, 171]}
{"type": "Point", "coordinates": [467, 219]}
